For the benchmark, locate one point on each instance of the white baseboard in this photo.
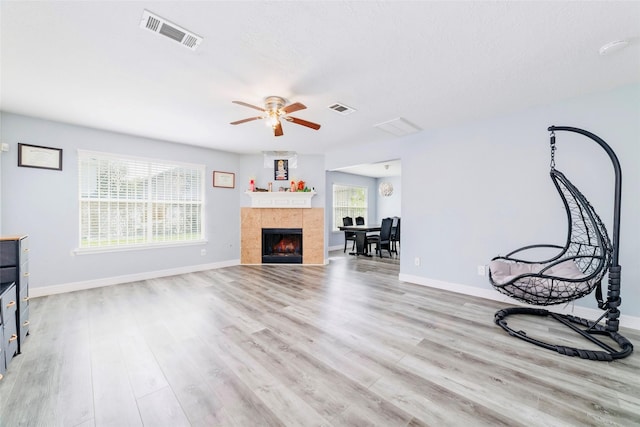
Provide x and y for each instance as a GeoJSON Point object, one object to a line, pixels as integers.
{"type": "Point", "coordinates": [108, 281]}
{"type": "Point", "coordinates": [631, 322]}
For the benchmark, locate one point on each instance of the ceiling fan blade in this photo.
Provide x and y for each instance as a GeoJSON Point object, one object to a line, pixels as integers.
{"type": "Point", "coordinates": [294, 107]}
{"type": "Point", "coordinates": [277, 129]}
{"type": "Point", "coordinates": [248, 105]}
{"type": "Point", "coordinates": [303, 122]}
{"type": "Point", "coordinates": [246, 120]}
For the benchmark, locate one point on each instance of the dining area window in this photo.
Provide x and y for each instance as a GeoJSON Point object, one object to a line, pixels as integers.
{"type": "Point", "coordinates": [348, 200]}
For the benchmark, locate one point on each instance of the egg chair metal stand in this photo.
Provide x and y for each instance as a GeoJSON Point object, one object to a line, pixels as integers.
{"type": "Point", "coordinates": [576, 270]}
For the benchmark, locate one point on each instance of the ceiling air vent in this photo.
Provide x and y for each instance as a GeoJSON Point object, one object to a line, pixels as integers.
{"type": "Point", "coordinates": [398, 127]}
{"type": "Point", "coordinates": [341, 109]}
{"type": "Point", "coordinates": [159, 25]}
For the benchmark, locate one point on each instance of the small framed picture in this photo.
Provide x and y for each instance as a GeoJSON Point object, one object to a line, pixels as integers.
{"type": "Point", "coordinates": [35, 156]}
{"type": "Point", "coordinates": [224, 179]}
{"type": "Point", "coordinates": [281, 170]}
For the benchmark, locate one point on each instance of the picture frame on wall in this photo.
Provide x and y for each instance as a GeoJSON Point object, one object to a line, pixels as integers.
{"type": "Point", "coordinates": [36, 156]}
{"type": "Point", "coordinates": [281, 170]}
{"type": "Point", "coordinates": [224, 179]}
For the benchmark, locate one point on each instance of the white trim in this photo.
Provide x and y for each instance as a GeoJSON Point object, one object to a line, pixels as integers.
{"type": "Point", "coordinates": [117, 280]}
{"type": "Point", "coordinates": [626, 321]}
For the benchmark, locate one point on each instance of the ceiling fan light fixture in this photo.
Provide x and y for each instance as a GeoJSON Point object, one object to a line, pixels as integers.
{"type": "Point", "coordinates": [272, 120]}
{"type": "Point", "coordinates": [274, 103]}
{"type": "Point", "coordinates": [275, 109]}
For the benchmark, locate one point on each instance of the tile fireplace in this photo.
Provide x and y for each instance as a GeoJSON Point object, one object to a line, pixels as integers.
{"type": "Point", "coordinates": [282, 245]}
{"type": "Point", "coordinates": [310, 221]}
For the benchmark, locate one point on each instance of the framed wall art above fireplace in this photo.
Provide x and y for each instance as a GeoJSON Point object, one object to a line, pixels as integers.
{"type": "Point", "coordinates": [281, 170]}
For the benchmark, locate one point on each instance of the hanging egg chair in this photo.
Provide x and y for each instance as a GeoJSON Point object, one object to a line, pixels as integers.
{"type": "Point", "coordinates": [575, 270]}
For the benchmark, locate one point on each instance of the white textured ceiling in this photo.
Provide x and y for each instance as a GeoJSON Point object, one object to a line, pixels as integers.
{"type": "Point", "coordinates": [433, 63]}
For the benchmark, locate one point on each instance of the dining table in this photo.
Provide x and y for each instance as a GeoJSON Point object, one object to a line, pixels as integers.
{"type": "Point", "coordinates": [361, 237]}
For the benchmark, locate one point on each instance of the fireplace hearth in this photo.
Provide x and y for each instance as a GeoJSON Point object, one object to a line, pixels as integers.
{"type": "Point", "coordinates": [282, 246]}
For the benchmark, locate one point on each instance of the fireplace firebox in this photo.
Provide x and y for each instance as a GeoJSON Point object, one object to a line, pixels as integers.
{"type": "Point", "coordinates": [282, 246]}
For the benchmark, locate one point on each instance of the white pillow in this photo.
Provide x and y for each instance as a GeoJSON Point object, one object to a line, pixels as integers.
{"type": "Point", "coordinates": [503, 272]}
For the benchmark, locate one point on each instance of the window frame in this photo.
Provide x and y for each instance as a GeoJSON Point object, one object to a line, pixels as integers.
{"type": "Point", "coordinates": [359, 211]}
{"type": "Point", "coordinates": [150, 201]}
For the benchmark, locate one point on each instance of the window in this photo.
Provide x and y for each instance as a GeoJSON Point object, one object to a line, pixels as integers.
{"type": "Point", "coordinates": [133, 202]}
{"type": "Point", "coordinates": [348, 200]}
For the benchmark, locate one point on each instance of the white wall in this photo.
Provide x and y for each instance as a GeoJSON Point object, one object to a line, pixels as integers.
{"type": "Point", "coordinates": [44, 205]}
{"type": "Point", "coordinates": [481, 189]}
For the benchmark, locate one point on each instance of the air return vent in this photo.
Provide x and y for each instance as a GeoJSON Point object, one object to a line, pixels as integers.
{"type": "Point", "coordinates": [398, 127]}
{"type": "Point", "coordinates": [341, 109]}
{"type": "Point", "coordinates": [159, 25]}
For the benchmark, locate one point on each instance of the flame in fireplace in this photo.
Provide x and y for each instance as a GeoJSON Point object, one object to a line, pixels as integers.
{"type": "Point", "coordinates": [287, 246]}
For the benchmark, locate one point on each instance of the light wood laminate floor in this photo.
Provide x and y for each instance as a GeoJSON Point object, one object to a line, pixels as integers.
{"type": "Point", "coordinates": [344, 344]}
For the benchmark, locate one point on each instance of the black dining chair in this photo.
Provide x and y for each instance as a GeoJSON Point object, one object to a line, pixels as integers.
{"type": "Point", "coordinates": [360, 221]}
{"type": "Point", "coordinates": [382, 241]}
{"type": "Point", "coordinates": [395, 234]}
{"type": "Point", "coordinates": [348, 235]}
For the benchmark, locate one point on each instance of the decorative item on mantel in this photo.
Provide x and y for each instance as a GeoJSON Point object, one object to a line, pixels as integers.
{"type": "Point", "coordinates": [294, 187]}
{"type": "Point", "coordinates": [299, 187]}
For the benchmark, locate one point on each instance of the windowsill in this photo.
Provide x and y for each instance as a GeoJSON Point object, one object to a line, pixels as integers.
{"type": "Point", "coordinates": [90, 251]}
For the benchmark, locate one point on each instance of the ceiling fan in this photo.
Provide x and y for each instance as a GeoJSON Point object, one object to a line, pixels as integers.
{"type": "Point", "coordinates": [274, 111]}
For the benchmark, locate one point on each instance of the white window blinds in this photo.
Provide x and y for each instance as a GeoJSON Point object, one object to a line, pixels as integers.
{"type": "Point", "coordinates": [348, 200]}
{"type": "Point", "coordinates": [131, 202]}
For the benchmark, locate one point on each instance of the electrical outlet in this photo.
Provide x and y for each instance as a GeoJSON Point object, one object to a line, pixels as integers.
{"type": "Point", "coordinates": [416, 261]}
{"type": "Point", "coordinates": [203, 252]}
{"type": "Point", "coordinates": [482, 270]}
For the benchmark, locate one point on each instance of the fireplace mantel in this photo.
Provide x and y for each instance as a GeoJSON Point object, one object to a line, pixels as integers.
{"type": "Point", "coordinates": [280, 199]}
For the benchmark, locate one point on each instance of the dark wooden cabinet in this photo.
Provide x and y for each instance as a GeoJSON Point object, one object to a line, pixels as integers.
{"type": "Point", "coordinates": [14, 268]}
